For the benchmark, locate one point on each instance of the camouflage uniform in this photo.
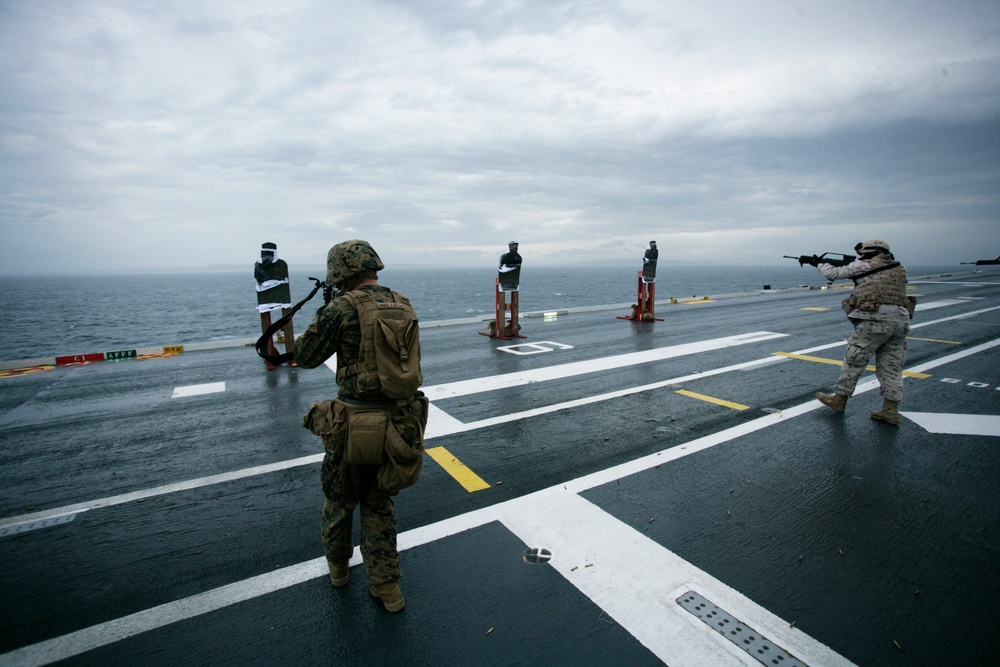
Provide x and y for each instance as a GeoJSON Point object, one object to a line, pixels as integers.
{"type": "Point", "coordinates": [881, 332]}
{"type": "Point", "coordinates": [336, 330]}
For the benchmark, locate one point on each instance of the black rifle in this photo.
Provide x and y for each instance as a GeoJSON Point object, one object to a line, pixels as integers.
{"type": "Point", "coordinates": [265, 338]}
{"type": "Point", "coordinates": [985, 262]}
{"type": "Point", "coordinates": [825, 258]}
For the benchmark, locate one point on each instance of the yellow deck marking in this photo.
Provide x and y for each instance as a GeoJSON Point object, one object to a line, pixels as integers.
{"type": "Point", "coordinates": [836, 362]}
{"type": "Point", "coordinates": [934, 340]}
{"type": "Point", "coordinates": [468, 479]}
{"type": "Point", "coordinates": [818, 309]}
{"type": "Point", "coordinates": [14, 372]}
{"type": "Point", "coordinates": [689, 302]}
{"type": "Point", "coordinates": [710, 399]}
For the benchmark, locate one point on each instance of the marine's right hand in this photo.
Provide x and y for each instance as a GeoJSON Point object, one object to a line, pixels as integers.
{"type": "Point", "coordinates": [811, 260]}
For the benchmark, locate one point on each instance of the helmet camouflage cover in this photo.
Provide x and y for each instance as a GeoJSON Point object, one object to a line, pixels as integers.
{"type": "Point", "coordinates": [350, 258]}
{"type": "Point", "coordinates": [874, 245]}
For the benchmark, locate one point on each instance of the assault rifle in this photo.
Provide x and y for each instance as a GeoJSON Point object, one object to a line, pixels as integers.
{"type": "Point", "coordinates": [329, 291]}
{"type": "Point", "coordinates": [985, 262]}
{"type": "Point", "coordinates": [825, 258]}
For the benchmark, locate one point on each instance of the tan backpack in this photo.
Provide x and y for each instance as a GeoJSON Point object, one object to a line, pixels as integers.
{"type": "Point", "coordinates": [389, 357]}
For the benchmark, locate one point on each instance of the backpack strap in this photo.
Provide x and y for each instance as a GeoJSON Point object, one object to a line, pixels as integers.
{"type": "Point", "coordinates": [354, 298]}
{"type": "Point", "coordinates": [858, 277]}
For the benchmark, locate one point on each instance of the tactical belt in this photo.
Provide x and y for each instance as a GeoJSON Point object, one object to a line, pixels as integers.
{"type": "Point", "coordinates": [373, 404]}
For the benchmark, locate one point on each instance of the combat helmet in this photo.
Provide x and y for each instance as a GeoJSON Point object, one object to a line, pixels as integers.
{"type": "Point", "coordinates": [350, 258]}
{"type": "Point", "coordinates": [873, 247]}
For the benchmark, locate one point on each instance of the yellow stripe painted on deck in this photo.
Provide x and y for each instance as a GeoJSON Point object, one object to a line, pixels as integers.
{"type": "Point", "coordinates": [817, 309]}
{"type": "Point", "coordinates": [468, 479]}
{"type": "Point", "coordinates": [837, 362]}
{"type": "Point", "coordinates": [710, 399]}
{"type": "Point", "coordinates": [934, 340]}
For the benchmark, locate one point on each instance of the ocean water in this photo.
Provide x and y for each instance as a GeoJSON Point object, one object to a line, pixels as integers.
{"type": "Point", "coordinates": [50, 315]}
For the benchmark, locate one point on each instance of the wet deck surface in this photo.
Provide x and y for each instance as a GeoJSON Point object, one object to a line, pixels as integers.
{"type": "Point", "coordinates": [166, 511]}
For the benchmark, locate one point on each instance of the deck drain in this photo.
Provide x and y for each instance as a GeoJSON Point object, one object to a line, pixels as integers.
{"type": "Point", "coordinates": [757, 646]}
{"type": "Point", "coordinates": [536, 555]}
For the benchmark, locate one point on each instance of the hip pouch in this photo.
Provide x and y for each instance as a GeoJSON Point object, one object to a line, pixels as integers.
{"type": "Point", "coordinates": [853, 303]}
{"type": "Point", "coordinates": [404, 446]}
{"type": "Point", "coordinates": [366, 431]}
{"type": "Point", "coordinates": [319, 417]}
{"type": "Point", "coordinates": [848, 304]}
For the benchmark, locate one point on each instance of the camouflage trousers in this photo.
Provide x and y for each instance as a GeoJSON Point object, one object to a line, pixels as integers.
{"type": "Point", "coordinates": [345, 487]}
{"type": "Point", "coordinates": [887, 341]}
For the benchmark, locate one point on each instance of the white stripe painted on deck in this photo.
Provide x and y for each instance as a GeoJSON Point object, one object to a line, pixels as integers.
{"type": "Point", "coordinates": [801, 645]}
{"type": "Point", "coordinates": [75, 643]}
{"type": "Point", "coordinates": [954, 424]}
{"type": "Point", "coordinates": [931, 305]}
{"type": "Point", "coordinates": [440, 424]}
{"type": "Point", "coordinates": [20, 527]}
{"type": "Point", "coordinates": [560, 371]}
{"type": "Point", "coordinates": [637, 581]}
{"type": "Point", "coordinates": [199, 389]}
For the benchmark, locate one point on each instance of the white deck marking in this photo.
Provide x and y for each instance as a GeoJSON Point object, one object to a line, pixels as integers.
{"type": "Point", "coordinates": [456, 426]}
{"type": "Point", "coordinates": [636, 581]}
{"type": "Point", "coordinates": [944, 282]}
{"type": "Point", "coordinates": [801, 645]}
{"type": "Point", "coordinates": [75, 643]}
{"type": "Point", "coordinates": [29, 525]}
{"type": "Point", "coordinates": [199, 389]}
{"type": "Point", "coordinates": [111, 501]}
{"type": "Point", "coordinates": [931, 305]}
{"type": "Point", "coordinates": [954, 424]}
{"type": "Point", "coordinates": [440, 424]}
{"type": "Point", "coordinates": [534, 348]}
{"type": "Point", "coordinates": [961, 316]}
{"type": "Point", "coordinates": [560, 371]}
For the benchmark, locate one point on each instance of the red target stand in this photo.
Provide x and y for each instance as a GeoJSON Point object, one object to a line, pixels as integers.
{"type": "Point", "coordinates": [643, 308]}
{"type": "Point", "coordinates": [500, 327]}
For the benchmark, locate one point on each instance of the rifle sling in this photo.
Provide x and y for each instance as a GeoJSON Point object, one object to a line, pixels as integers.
{"type": "Point", "coordinates": [262, 343]}
{"type": "Point", "coordinates": [868, 273]}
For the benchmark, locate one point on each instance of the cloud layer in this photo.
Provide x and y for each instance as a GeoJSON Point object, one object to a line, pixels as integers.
{"type": "Point", "coordinates": [187, 133]}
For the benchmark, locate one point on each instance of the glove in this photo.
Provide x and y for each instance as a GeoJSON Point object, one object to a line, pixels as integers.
{"type": "Point", "coordinates": [811, 260]}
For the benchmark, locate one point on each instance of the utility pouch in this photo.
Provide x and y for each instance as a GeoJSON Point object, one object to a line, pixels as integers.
{"type": "Point", "coordinates": [849, 304]}
{"type": "Point", "coordinates": [404, 446]}
{"type": "Point", "coordinates": [366, 431]}
{"type": "Point", "coordinates": [911, 305]}
{"type": "Point", "coordinates": [319, 418]}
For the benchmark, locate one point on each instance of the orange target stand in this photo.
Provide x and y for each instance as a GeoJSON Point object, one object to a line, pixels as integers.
{"type": "Point", "coordinates": [500, 327]}
{"type": "Point", "coordinates": [643, 308]}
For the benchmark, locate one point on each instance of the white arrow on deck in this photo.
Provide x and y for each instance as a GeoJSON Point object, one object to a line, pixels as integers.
{"type": "Point", "coordinates": [956, 424]}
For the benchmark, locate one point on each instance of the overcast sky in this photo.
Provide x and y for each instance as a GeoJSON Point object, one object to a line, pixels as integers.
{"type": "Point", "coordinates": [185, 134]}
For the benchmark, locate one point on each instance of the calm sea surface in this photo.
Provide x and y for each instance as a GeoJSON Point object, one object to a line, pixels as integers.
{"type": "Point", "coordinates": [50, 316]}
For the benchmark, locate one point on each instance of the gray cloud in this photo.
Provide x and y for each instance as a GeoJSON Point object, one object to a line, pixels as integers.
{"type": "Point", "coordinates": [185, 133]}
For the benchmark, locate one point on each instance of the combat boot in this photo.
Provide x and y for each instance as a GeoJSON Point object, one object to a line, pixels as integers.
{"type": "Point", "coordinates": [339, 573]}
{"type": "Point", "coordinates": [889, 412]}
{"type": "Point", "coordinates": [837, 402]}
{"type": "Point", "coordinates": [389, 594]}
